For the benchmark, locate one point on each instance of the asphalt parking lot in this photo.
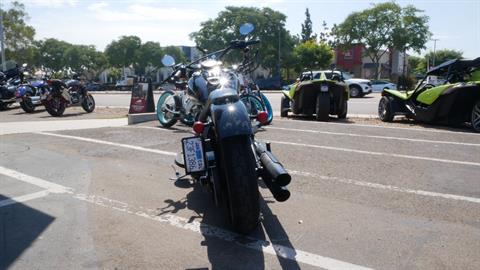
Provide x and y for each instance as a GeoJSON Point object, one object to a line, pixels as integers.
{"type": "Point", "coordinates": [364, 195]}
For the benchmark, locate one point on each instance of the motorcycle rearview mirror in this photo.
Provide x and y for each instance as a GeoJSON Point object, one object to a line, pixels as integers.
{"type": "Point", "coordinates": [168, 61]}
{"type": "Point", "coordinates": [246, 29]}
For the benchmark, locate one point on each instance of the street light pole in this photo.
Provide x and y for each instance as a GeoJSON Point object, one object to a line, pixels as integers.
{"type": "Point", "coordinates": [2, 42]}
{"type": "Point", "coordinates": [279, 73]}
{"type": "Point", "coordinates": [434, 48]}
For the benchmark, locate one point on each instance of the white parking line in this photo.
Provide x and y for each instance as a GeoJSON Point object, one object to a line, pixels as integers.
{"type": "Point", "coordinates": [378, 126]}
{"type": "Point", "coordinates": [49, 186]}
{"type": "Point", "coordinates": [24, 198]}
{"type": "Point", "coordinates": [139, 148]}
{"type": "Point", "coordinates": [374, 136]}
{"type": "Point", "coordinates": [388, 187]}
{"type": "Point", "coordinates": [378, 153]}
{"type": "Point", "coordinates": [204, 229]}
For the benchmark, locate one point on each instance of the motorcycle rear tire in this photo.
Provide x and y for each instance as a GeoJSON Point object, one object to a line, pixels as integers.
{"type": "Point", "coordinates": [242, 183]}
{"type": "Point", "coordinates": [55, 110]}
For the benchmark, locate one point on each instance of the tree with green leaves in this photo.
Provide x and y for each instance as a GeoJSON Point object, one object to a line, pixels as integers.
{"type": "Point", "coordinates": [307, 31]}
{"type": "Point", "coordinates": [83, 59]}
{"type": "Point", "coordinates": [176, 53]}
{"type": "Point", "coordinates": [148, 55]}
{"type": "Point", "coordinates": [384, 26]}
{"type": "Point", "coordinates": [217, 33]}
{"type": "Point", "coordinates": [122, 52]}
{"type": "Point", "coordinates": [19, 37]}
{"type": "Point", "coordinates": [313, 55]}
{"type": "Point", "coordinates": [414, 63]}
{"type": "Point", "coordinates": [52, 53]}
{"type": "Point", "coordinates": [440, 57]}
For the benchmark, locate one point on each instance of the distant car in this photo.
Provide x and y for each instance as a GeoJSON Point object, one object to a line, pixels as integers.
{"type": "Point", "coordinates": [379, 85]}
{"type": "Point", "coordinates": [125, 83]}
{"type": "Point", "coordinates": [357, 87]}
{"type": "Point", "coordinates": [93, 86]}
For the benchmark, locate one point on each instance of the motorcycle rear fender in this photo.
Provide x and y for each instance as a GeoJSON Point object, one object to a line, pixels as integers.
{"type": "Point", "coordinates": [229, 114]}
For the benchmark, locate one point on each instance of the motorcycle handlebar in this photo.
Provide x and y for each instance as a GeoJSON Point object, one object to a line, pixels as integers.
{"type": "Point", "coordinates": [242, 44]}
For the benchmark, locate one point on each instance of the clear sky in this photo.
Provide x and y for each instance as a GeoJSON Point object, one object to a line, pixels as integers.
{"type": "Point", "coordinates": [455, 23]}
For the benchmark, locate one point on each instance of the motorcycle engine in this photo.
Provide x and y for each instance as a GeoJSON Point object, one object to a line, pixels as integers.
{"type": "Point", "coordinates": [74, 96]}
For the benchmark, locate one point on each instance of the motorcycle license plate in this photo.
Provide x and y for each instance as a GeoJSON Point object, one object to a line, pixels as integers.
{"type": "Point", "coordinates": [324, 88]}
{"type": "Point", "coordinates": [193, 155]}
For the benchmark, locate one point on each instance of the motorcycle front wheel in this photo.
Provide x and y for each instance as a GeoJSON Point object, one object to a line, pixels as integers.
{"type": "Point", "coordinates": [27, 104]}
{"type": "Point", "coordinates": [165, 107]}
{"type": "Point", "coordinates": [253, 104]}
{"type": "Point", "coordinates": [88, 103]}
{"type": "Point", "coordinates": [268, 107]}
{"type": "Point", "coordinates": [242, 183]}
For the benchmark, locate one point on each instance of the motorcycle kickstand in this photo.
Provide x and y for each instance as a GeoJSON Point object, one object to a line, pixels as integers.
{"type": "Point", "coordinates": [177, 175]}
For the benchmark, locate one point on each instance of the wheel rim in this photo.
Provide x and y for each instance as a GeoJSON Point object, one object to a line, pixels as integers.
{"type": "Point", "coordinates": [252, 104]}
{"type": "Point", "coordinates": [268, 106]}
{"type": "Point", "coordinates": [476, 116]}
{"type": "Point", "coordinates": [28, 101]}
{"type": "Point", "coordinates": [56, 103]}
{"type": "Point", "coordinates": [90, 102]}
{"type": "Point", "coordinates": [382, 109]}
{"type": "Point", "coordinates": [354, 92]}
{"type": "Point", "coordinates": [165, 103]}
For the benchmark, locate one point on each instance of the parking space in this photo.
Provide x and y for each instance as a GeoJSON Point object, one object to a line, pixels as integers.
{"type": "Point", "coordinates": [363, 196]}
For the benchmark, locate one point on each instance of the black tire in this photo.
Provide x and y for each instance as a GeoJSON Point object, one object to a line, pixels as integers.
{"type": "Point", "coordinates": [242, 183]}
{"type": "Point", "coordinates": [322, 107]}
{"type": "Point", "coordinates": [3, 106]}
{"type": "Point", "coordinates": [55, 106]}
{"type": "Point", "coordinates": [475, 116]}
{"type": "Point", "coordinates": [284, 104]}
{"type": "Point", "coordinates": [343, 113]}
{"type": "Point", "coordinates": [88, 103]}
{"type": "Point", "coordinates": [385, 112]}
{"type": "Point", "coordinates": [355, 91]}
{"type": "Point", "coordinates": [27, 104]}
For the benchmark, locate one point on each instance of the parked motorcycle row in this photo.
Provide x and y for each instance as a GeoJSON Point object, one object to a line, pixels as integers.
{"type": "Point", "coordinates": [225, 108]}
{"type": "Point", "coordinates": [55, 95]}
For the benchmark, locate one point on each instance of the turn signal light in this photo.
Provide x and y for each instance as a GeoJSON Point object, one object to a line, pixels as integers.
{"type": "Point", "coordinates": [198, 127]}
{"type": "Point", "coordinates": [262, 117]}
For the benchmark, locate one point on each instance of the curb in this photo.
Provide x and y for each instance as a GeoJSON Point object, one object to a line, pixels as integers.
{"type": "Point", "coordinates": [366, 116]}
{"type": "Point", "coordinates": [141, 117]}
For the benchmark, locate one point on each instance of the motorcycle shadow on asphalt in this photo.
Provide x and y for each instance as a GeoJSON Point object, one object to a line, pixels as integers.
{"type": "Point", "coordinates": [20, 227]}
{"type": "Point", "coordinates": [34, 112]}
{"type": "Point", "coordinates": [65, 115]}
{"type": "Point", "coordinates": [231, 254]}
{"type": "Point", "coordinates": [183, 130]}
{"type": "Point", "coordinates": [313, 119]}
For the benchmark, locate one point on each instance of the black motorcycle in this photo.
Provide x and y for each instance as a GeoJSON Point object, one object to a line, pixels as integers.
{"type": "Point", "coordinates": [66, 94]}
{"type": "Point", "coordinates": [224, 155]}
{"type": "Point", "coordinates": [9, 80]}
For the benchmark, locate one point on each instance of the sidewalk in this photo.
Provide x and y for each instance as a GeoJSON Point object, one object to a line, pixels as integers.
{"type": "Point", "coordinates": [36, 126]}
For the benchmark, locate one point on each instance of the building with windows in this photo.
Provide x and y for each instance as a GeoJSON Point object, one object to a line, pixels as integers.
{"type": "Point", "coordinates": [392, 62]}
